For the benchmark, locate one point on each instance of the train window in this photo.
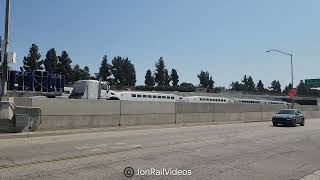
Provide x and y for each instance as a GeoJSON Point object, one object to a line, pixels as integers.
{"type": "Point", "coordinates": [172, 97]}
{"type": "Point", "coordinates": [163, 97]}
{"type": "Point", "coordinates": [200, 99]}
{"type": "Point", "coordinates": [154, 96]}
{"type": "Point", "coordinates": [168, 97]}
{"type": "Point", "coordinates": [133, 95]}
{"type": "Point", "coordinates": [159, 97]}
{"type": "Point", "coordinates": [149, 96]}
{"type": "Point", "coordinates": [139, 96]}
{"type": "Point", "coordinates": [144, 96]}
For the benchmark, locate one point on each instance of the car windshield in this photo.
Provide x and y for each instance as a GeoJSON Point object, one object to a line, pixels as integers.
{"type": "Point", "coordinates": [286, 112]}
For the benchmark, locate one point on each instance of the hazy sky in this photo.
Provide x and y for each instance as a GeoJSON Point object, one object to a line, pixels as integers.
{"type": "Point", "coordinates": [228, 38]}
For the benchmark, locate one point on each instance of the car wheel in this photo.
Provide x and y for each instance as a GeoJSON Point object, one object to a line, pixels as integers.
{"type": "Point", "coordinates": [302, 124]}
{"type": "Point", "coordinates": [293, 124]}
{"type": "Point", "coordinates": [275, 124]}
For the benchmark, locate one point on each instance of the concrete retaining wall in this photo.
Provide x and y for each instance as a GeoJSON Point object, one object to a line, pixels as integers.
{"type": "Point", "coordinates": [147, 113]}
{"type": "Point", "coordinates": [77, 113]}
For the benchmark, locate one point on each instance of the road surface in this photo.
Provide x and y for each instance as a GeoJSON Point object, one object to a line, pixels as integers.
{"type": "Point", "coordinates": [230, 151]}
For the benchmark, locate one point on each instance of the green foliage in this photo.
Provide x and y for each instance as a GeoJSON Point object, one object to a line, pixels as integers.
{"type": "Point", "coordinates": [236, 86]}
{"type": "Point", "coordinates": [79, 74]}
{"type": "Point", "coordinates": [104, 70]}
{"type": "Point", "coordinates": [51, 61]}
{"type": "Point", "coordinates": [167, 78]}
{"type": "Point", "coordinates": [160, 76]}
{"type": "Point", "coordinates": [250, 84]}
{"type": "Point", "coordinates": [149, 80]}
{"type": "Point", "coordinates": [210, 83]}
{"type": "Point", "coordinates": [275, 87]}
{"type": "Point", "coordinates": [188, 85]}
{"type": "Point", "coordinates": [302, 89]}
{"type": "Point", "coordinates": [247, 85]}
{"type": "Point", "coordinates": [174, 77]}
{"type": "Point", "coordinates": [64, 65]}
{"type": "Point", "coordinates": [204, 79]}
{"type": "Point", "coordinates": [166, 88]}
{"type": "Point", "coordinates": [244, 83]}
{"type": "Point", "coordinates": [260, 87]}
{"type": "Point", "coordinates": [123, 71]}
{"type": "Point", "coordinates": [286, 89]}
{"type": "Point", "coordinates": [32, 62]}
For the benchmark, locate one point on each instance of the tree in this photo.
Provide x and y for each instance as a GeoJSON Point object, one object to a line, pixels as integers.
{"type": "Point", "coordinates": [187, 87]}
{"type": "Point", "coordinates": [64, 65]}
{"type": "Point", "coordinates": [174, 77]}
{"type": "Point", "coordinates": [185, 84]}
{"type": "Point", "coordinates": [260, 87]}
{"type": "Point", "coordinates": [302, 90]}
{"type": "Point", "coordinates": [32, 62]}
{"type": "Point", "coordinates": [167, 78]}
{"type": "Point", "coordinates": [204, 79]}
{"type": "Point", "coordinates": [104, 70]}
{"type": "Point", "coordinates": [210, 83]}
{"type": "Point", "coordinates": [236, 86]}
{"type": "Point", "coordinates": [250, 84]}
{"type": "Point", "coordinates": [76, 74]}
{"type": "Point", "coordinates": [86, 73]}
{"type": "Point", "coordinates": [160, 72]}
{"type": "Point", "coordinates": [79, 74]}
{"type": "Point", "coordinates": [51, 61]}
{"type": "Point", "coordinates": [123, 71]}
{"type": "Point", "coordinates": [149, 80]}
{"type": "Point", "coordinates": [287, 89]}
{"type": "Point", "coordinates": [245, 83]}
{"type": "Point", "coordinates": [275, 87]}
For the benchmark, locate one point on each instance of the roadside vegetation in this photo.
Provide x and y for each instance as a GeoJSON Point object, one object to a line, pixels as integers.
{"type": "Point", "coordinates": [120, 73]}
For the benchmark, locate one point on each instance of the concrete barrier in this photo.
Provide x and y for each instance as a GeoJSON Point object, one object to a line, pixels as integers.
{"type": "Point", "coordinates": [147, 113]}
{"type": "Point", "coordinates": [74, 113]}
{"type": "Point", "coordinates": [78, 113]}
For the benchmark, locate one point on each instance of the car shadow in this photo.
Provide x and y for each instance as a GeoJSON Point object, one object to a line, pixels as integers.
{"type": "Point", "coordinates": [283, 126]}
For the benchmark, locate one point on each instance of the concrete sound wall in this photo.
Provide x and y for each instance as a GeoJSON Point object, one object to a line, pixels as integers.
{"type": "Point", "coordinates": [147, 113]}
{"type": "Point", "coordinates": [74, 113]}
{"type": "Point", "coordinates": [77, 113]}
{"type": "Point", "coordinates": [194, 112]}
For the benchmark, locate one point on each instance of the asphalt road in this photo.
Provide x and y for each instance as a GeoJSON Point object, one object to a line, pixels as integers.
{"type": "Point", "coordinates": [231, 151]}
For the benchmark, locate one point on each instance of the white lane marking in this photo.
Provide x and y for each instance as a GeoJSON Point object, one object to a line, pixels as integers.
{"type": "Point", "coordinates": [121, 143]}
{"type": "Point", "coordinates": [99, 147]}
{"type": "Point", "coordinates": [83, 147]}
{"type": "Point", "coordinates": [102, 145]}
{"type": "Point", "coordinates": [96, 149]}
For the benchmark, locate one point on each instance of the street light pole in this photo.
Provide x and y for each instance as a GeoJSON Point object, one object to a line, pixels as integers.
{"type": "Point", "coordinates": [291, 57]}
{"type": "Point", "coordinates": [291, 71]}
{"type": "Point", "coordinates": [4, 82]}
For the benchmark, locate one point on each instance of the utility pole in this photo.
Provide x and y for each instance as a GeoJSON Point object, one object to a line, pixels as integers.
{"type": "Point", "coordinates": [4, 83]}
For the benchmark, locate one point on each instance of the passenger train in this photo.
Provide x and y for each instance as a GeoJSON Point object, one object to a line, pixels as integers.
{"type": "Point", "coordinates": [90, 89]}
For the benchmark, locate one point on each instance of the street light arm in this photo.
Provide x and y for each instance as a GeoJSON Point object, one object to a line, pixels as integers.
{"type": "Point", "coordinates": [274, 50]}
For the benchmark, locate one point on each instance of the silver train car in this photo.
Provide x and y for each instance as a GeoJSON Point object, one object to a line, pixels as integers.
{"type": "Point", "coordinates": [91, 89]}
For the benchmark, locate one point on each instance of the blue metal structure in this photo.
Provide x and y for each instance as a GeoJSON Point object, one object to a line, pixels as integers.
{"type": "Point", "coordinates": [39, 81]}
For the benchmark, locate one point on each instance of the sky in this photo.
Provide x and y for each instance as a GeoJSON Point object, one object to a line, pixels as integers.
{"type": "Point", "coordinates": [227, 38]}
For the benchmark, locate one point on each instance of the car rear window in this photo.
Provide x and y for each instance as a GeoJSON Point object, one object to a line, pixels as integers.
{"type": "Point", "coordinates": [286, 112]}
